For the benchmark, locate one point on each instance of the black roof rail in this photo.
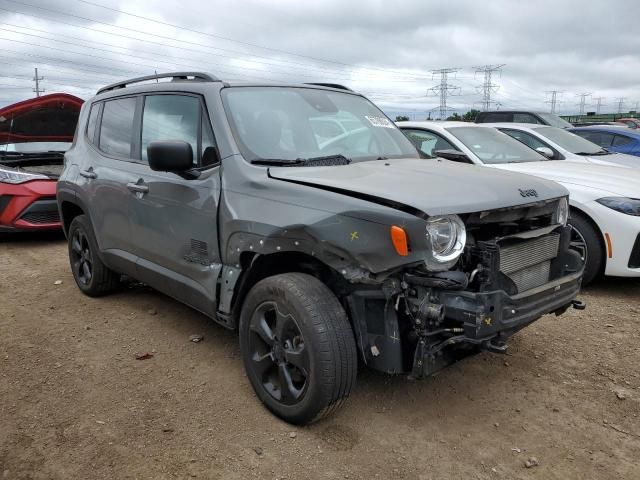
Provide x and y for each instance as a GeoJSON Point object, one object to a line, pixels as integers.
{"type": "Point", "coordinates": [330, 85]}
{"type": "Point", "coordinates": [174, 76]}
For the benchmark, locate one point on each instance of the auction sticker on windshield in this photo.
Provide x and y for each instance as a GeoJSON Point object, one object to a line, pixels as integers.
{"type": "Point", "coordinates": [379, 121]}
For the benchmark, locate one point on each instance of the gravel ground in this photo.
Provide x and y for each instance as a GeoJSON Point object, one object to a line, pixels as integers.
{"type": "Point", "coordinates": [76, 404]}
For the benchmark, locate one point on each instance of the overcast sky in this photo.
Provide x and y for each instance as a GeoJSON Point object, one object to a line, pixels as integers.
{"type": "Point", "coordinates": [385, 49]}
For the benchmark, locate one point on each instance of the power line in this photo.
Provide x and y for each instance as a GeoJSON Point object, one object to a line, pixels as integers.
{"type": "Point", "coordinates": [164, 37]}
{"type": "Point", "coordinates": [37, 79]}
{"type": "Point", "coordinates": [583, 100]}
{"type": "Point", "coordinates": [487, 87]}
{"type": "Point", "coordinates": [249, 44]}
{"type": "Point", "coordinates": [620, 101]}
{"type": "Point", "coordinates": [554, 99]}
{"type": "Point", "coordinates": [444, 89]}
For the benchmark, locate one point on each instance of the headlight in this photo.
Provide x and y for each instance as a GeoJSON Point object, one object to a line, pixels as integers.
{"type": "Point", "coordinates": [9, 175]}
{"type": "Point", "coordinates": [448, 237]}
{"type": "Point", "coordinates": [630, 206]}
{"type": "Point", "coordinates": [562, 213]}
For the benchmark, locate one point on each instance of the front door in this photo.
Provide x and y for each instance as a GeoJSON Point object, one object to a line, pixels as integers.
{"type": "Point", "coordinates": [174, 220]}
{"type": "Point", "coordinates": [106, 172]}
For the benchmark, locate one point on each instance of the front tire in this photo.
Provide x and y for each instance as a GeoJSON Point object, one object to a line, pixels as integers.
{"type": "Point", "coordinates": [91, 275]}
{"type": "Point", "coordinates": [298, 347]}
{"type": "Point", "coordinates": [587, 241]}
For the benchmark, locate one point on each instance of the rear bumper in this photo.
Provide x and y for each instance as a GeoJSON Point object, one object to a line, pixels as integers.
{"type": "Point", "coordinates": [29, 206]}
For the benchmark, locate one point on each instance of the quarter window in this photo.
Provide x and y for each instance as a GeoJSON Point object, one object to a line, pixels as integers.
{"type": "Point", "coordinates": [209, 149]}
{"type": "Point", "coordinates": [116, 129]}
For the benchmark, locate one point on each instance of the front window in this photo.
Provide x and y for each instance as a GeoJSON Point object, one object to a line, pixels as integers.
{"type": "Point", "coordinates": [569, 141]}
{"type": "Point", "coordinates": [290, 123]}
{"type": "Point", "coordinates": [494, 147]}
{"type": "Point", "coordinates": [554, 120]}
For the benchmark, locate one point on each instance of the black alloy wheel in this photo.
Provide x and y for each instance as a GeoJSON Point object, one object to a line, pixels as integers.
{"type": "Point", "coordinates": [279, 357]}
{"type": "Point", "coordinates": [81, 257]}
{"type": "Point", "coordinates": [92, 276]}
{"type": "Point", "coordinates": [298, 347]}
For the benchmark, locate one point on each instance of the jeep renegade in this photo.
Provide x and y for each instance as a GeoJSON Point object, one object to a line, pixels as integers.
{"type": "Point", "coordinates": [301, 216]}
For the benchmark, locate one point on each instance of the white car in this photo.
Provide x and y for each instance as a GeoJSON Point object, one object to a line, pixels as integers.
{"type": "Point", "coordinates": [605, 200]}
{"type": "Point", "coordinates": [560, 144]}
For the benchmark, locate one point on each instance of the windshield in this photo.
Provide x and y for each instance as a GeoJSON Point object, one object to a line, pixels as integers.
{"type": "Point", "coordinates": [290, 123]}
{"type": "Point", "coordinates": [494, 147]}
{"type": "Point", "coordinates": [569, 141]}
{"type": "Point", "coordinates": [554, 120]}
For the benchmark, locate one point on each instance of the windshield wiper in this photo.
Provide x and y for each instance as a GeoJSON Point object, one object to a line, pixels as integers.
{"type": "Point", "coordinates": [276, 161]}
{"type": "Point", "coordinates": [326, 161]}
{"type": "Point", "coordinates": [600, 152]}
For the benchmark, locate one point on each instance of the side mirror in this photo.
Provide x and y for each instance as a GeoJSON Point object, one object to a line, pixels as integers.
{"type": "Point", "coordinates": [453, 155]}
{"type": "Point", "coordinates": [546, 151]}
{"type": "Point", "coordinates": [170, 156]}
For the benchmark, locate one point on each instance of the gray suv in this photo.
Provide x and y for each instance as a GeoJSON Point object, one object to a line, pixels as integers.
{"type": "Point", "coordinates": [301, 216]}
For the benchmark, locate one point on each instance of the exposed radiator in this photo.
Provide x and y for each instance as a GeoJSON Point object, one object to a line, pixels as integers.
{"type": "Point", "coordinates": [528, 262]}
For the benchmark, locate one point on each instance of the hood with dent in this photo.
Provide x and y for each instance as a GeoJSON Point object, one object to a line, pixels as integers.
{"type": "Point", "coordinates": [612, 179]}
{"type": "Point", "coordinates": [50, 118]}
{"type": "Point", "coordinates": [435, 187]}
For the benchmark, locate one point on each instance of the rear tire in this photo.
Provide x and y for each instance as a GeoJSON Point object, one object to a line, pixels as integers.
{"type": "Point", "coordinates": [91, 275]}
{"type": "Point", "coordinates": [298, 347]}
{"type": "Point", "coordinates": [587, 241]}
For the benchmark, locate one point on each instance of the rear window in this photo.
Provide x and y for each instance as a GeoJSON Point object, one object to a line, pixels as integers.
{"type": "Point", "coordinates": [495, 117]}
{"type": "Point", "coordinates": [116, 129]}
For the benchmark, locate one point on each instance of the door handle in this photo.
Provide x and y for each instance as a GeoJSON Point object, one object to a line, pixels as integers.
{"type": "Point", "coordinates": [138, 187]}
{"type": "Point", "coordinates": [89, 173]}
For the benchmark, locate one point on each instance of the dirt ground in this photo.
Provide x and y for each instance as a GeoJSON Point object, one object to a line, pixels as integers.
{"type": "Point", "coordinates": [76, 404]}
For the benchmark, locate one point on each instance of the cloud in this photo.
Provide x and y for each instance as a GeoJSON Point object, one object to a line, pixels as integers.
{"type": "Point", "coordinates": [383, 49]}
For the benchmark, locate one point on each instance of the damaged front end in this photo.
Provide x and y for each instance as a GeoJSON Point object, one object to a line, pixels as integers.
{"type": "Point", "coordinates": [516, 266]}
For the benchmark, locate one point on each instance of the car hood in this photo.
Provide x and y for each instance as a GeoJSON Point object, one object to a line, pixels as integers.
{"type": "Point", "coordinates": [612, 179]}
{"type": "Point", "coordinates": [50, 118]}
{"type": "Point", "coordinates": [435, 187]}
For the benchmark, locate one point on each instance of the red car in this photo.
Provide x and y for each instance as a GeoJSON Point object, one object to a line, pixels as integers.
{"type": "Point", "coordinates": [629, 122]}
{"type": "Point", "coordinates": [34, 135]}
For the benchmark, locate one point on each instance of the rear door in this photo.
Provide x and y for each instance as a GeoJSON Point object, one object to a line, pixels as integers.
{"type": "Point", "coordinates": [174, 220]}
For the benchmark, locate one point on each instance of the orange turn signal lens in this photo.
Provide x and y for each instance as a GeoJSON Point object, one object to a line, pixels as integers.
{"type": "Point", "coordinates": [609, 246]}
{"type": "Point", "coordinates": [399, 239]}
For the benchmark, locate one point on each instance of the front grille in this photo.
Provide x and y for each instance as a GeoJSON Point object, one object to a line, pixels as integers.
{"type": "Point", "coordinates": [528, 262]}
{"type": "Point", "coordinates": [634, 260]}
{"type": "Point", "coordinates": [41, 217]}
